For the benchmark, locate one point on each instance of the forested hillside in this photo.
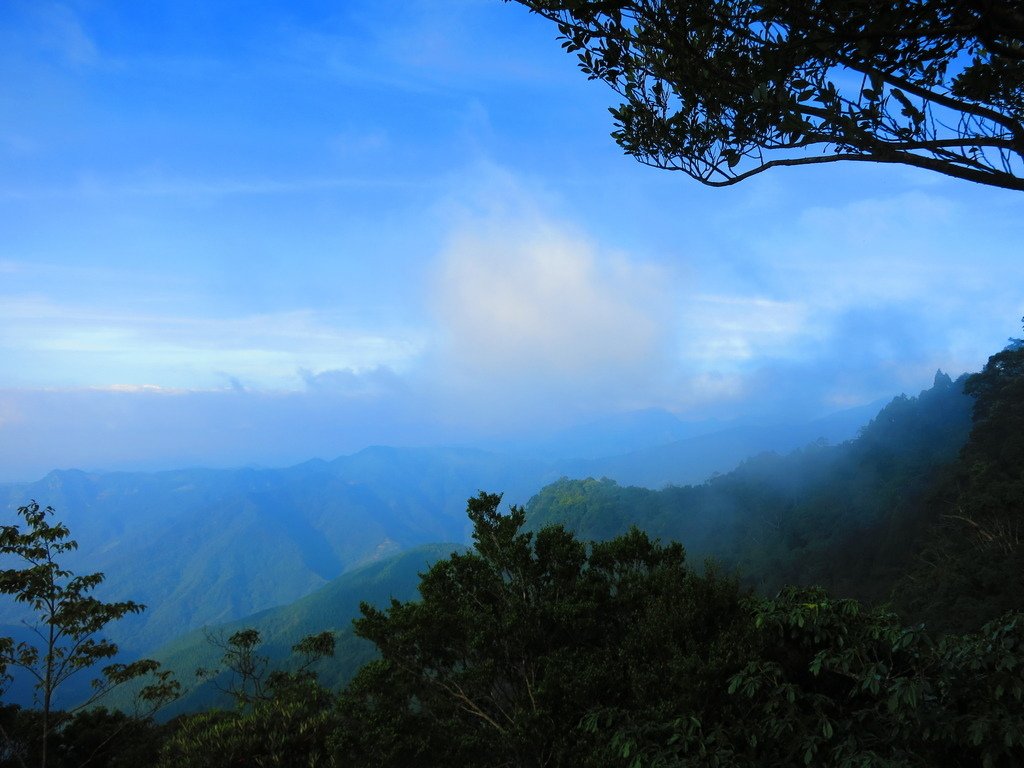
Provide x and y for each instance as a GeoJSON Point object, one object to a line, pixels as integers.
{"type": "Point", "coordinates": [970, 565]}
{"type": "Point", "coordinates": [331, 608]}
{"type": "Point", "coordinates": [843, 516]}
{"type": "Point", "coordinates": [202, 547]}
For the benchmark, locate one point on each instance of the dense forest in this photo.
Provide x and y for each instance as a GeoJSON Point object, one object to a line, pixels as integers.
{"type": "Point", "coordinates": [846, 605]}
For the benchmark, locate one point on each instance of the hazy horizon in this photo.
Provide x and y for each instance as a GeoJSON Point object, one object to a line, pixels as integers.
{"type": "Point", "coordinates": [609, 436]}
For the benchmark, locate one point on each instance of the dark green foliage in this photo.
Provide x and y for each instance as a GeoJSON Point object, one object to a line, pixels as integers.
{"type": "Point", "coordinates": [537, 650]}
{"type": "Point", "coordinates": [98, 738]}
{"type": "Point", "coordinates": [101, 738]}
{"type": "Point", "coordinates": [20, 731]}
{"type": "Point", "coordinates": [290, 729]}
{"type": "Point", "coordinates": [829, 683]}
{"type": "Point", "coordinates": [247, 675]}
{"type": "Point", "coordinates": [842, 685]}
{"type": "Point", "coordinates": [513, 643]}
{"type": "Point", "coordinates": [281, 718]}
{"type": "Point", "coordinates": [725, 89]}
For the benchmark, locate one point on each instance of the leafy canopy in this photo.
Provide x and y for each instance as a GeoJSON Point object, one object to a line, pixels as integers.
{"type": "Point", "coordinates": [513, 643]}
{"type": "Point", "coordinates": [536, 649]}
{"type": "Point", "coordinates": [281, 718]}
{"type": "Point", "coordinates": [725, 89]}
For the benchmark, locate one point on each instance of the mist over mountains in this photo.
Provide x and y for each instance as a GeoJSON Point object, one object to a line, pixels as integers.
{"type": "Point", "coordinates": [921, 503]}
{"type": "Point", "coordinates": [841, 515]}
{"type": "Point", "coordinates": [203, 546]}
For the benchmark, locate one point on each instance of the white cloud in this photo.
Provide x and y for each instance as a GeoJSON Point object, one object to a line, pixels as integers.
{"type": "Point", "coordinates": [526, 295]}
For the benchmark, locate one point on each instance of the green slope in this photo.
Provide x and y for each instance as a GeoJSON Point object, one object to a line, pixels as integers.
{"type": "Point", "coordinates": [332, 607]}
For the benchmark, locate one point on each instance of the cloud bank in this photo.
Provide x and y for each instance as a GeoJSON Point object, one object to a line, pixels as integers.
{"type": "Point", "coordinates": [529, 298]}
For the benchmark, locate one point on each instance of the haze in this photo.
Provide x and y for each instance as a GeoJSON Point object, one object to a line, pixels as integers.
{"type": "Point", "coordinates": [259, 235]}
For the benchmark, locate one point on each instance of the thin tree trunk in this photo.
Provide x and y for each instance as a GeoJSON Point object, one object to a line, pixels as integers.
{"type": "Point", "coordinates": [47, 693]}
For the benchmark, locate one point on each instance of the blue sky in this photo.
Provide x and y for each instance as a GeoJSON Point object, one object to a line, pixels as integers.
{"type": "Point", "coordinates": [262, 232]}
